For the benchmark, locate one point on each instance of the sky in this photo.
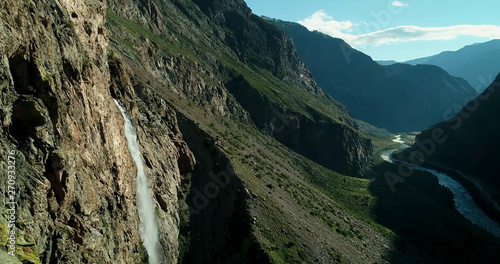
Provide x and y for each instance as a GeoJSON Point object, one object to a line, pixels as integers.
{"type": "Point", "coordinates": [392, 30]}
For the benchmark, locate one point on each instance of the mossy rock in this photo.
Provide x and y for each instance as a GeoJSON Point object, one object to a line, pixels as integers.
{"type": "Point", "coordinates": [45, 77]}
{"type": "Point", "coordinates": [25, 245]}
{"type": "Point", "coordinates": [3, 232]}
{"type": "Point", "coordinates": [27, 254]}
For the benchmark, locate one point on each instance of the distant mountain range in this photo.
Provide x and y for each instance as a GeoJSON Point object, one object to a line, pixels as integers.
{"type": "Point", "coordinates": [399, 97]}
{"type": "Point", "coordinates": [477, 63]}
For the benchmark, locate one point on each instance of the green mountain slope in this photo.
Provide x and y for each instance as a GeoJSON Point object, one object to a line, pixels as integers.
{"type": "Point", "coordinates": [234, 111]}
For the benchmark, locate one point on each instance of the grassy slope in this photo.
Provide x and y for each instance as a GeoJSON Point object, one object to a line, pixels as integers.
{"type": "Point", "coordinates": [334, 204]}
{"type": "Point", "coordinates": [296, 202]}
{"type": "Point", "coordinates": [276, 90]}
{"type": "Point", "coordinates": [276, 175]}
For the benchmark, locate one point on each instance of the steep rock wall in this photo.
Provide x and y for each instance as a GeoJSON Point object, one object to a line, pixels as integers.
{"type": "Point", "coordinates": [335, 146]}
{"type": "Point", "coordinates": [75, 177]}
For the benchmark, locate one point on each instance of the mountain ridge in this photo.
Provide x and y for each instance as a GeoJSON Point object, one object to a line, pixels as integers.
{"type": "Point", "coordinates": [372, 92]}
{"type": "Point", "coordinates": [477, 63]}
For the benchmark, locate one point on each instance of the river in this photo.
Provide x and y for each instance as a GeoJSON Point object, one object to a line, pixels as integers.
{"type": "Point", "coordinates": [463, 200]}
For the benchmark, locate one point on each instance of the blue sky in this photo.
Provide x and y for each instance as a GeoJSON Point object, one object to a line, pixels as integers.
{"type": "Point", "coordinates": [392, 30]}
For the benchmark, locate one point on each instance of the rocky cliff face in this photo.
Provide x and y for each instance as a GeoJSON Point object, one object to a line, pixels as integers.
{"type": "Point", "coordinates": [256, 42]}
{"type": "Point", "coordinates": [75, 176]}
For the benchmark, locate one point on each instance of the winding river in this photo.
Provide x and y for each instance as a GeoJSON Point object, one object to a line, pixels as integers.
{"type": "Point", "coordinates": [463, 200]}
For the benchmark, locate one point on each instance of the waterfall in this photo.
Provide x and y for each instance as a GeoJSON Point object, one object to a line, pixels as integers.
{"type": "Point", "coordinates": [148, 230]}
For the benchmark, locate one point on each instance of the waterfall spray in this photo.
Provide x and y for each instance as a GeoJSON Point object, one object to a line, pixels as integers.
{"type": "Point", "coordinates": [148, 230]}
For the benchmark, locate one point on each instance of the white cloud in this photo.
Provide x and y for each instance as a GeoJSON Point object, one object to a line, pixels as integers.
{"type": "Point", "coordinates": [324, 23]}
{"type": "Point", "coordinates": [415, 33]}
{"type": "Point", "coordinates": [398, 4]}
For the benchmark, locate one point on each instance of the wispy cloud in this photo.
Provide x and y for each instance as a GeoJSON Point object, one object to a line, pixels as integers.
{"type": "Point", "coordinates": [398, 4]}
{"type": "Point", "coordinates": [415, 33]}
{"type": "Point", "coordinates": [324, 23]}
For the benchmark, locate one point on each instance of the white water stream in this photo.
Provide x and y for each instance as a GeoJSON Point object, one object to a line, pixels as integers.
{"type": "Point", "coordinates": [398, 139]}
{"type": "Point", "coordinates": [463, 200]}
{"type": "Point", "coordinates": [148, 230]}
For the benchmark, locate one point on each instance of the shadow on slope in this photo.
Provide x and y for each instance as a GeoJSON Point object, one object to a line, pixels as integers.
{"type": "Point", "coordinates": [216, 225]}
{"type": "Point", "coordinates": [421, 212]}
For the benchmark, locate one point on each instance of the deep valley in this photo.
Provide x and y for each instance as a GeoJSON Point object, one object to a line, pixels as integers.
{"type": "Point", "coordinates": [197, 132]}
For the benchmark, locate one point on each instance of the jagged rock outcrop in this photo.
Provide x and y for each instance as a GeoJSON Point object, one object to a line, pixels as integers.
{"type": "Point", "coordinates": [257, 43]}
{"type": "Point", "coordinates": [57, 114]}
{"type": "Point", "coordinates": [219, 229]}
